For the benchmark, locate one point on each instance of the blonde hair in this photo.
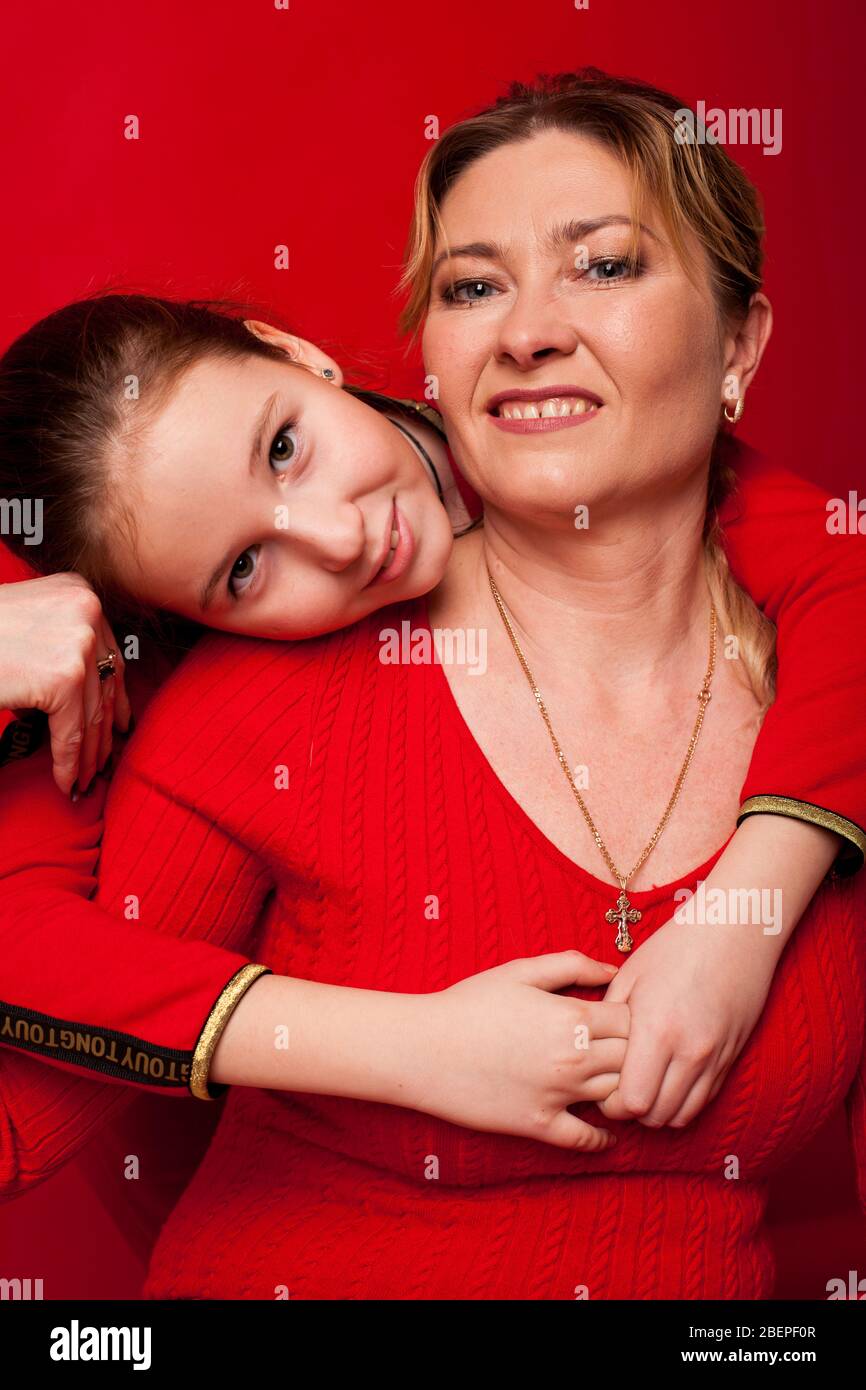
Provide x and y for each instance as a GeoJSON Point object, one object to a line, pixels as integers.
{"type": "Point", "coordinates": [695, 186]}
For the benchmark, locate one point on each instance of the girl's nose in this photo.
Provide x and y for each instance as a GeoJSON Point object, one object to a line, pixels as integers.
{"type": "Point", "coordinates": [333, 532]}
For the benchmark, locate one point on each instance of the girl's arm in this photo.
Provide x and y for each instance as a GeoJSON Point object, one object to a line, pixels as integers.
{"type": "Point", "coordinates": [188, 871]}
{"type": "Point", "coordinates": [785, 549]}
{"type": "Point", "coordinates": [696, 993]}
{"type": "Point", "coordinates": [80, 988]}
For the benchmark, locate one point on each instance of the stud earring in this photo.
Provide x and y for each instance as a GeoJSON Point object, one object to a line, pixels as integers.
{"type": "Point", "coordinates": [328, 373]}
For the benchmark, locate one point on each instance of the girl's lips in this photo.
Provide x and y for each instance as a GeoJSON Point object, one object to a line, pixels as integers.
{"type": "Point", "coordinates": [543, 423]}
{"type": "Point", "coordinates": [403, 552]}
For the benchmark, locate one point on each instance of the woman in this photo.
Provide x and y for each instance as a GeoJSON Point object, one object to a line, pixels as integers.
{"type": "Point", "coordinates": [319, 804]}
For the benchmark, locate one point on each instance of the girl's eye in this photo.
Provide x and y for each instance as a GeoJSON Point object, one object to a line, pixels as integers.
{"type": "Point", "coordinates": [243, 571]}
{"type": "Point", "coordinates": [283, 448]}
{"type": "Point", "coordinates": [451, 293]}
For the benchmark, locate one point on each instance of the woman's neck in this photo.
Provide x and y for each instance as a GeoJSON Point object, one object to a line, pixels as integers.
{"type": "Point", "coordinates": [623, 601]}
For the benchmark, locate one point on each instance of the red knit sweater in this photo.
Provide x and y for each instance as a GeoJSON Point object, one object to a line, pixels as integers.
{"type": "Point", "coordinates": [389, 801]}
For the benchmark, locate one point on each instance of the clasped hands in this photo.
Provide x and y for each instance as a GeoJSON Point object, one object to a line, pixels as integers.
{"type": "Point", "coordinates": [694, 995]}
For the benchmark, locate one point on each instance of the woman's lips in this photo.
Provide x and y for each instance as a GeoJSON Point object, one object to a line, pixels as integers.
{"type": "Point", "coordinates": [544, 422]}
{"type": "Point", "coordinates": [402, 553]}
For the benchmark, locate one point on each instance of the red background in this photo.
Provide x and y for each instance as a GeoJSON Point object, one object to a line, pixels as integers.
{"type": "Point", "coordinates": [305, 127]}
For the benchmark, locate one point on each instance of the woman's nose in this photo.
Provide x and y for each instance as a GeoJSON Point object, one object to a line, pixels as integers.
{"type": "Point", "coordinates": [332, 532]}
{"type": "Point", "coordinates": [535, 328]}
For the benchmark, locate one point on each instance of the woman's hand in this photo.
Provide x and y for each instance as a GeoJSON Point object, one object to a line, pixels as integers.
{"type": "Point", "coordinates": [502, 1052]}
{"type": "Point", "coordinates": [52, 633]}
{"type": "Point", "coordinates": [694, 994]}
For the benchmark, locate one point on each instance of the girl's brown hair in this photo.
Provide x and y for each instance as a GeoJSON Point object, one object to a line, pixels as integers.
{"type": "Point", "coordinates": [78, 391]}
{"type": "Point", "coordinates": [694, 185]}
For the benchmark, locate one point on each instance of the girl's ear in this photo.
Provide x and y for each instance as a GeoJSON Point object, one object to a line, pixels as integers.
{"type": "Point", "coordinates": [300, 350]}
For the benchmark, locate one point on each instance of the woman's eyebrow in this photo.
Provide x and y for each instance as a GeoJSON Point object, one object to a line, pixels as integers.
{"type": "Point", "coordinates": [574, 231]}
{"type": "Point", "coordinates": [207, 590]}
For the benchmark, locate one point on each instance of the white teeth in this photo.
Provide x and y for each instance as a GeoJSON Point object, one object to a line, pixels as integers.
{"type": "Point", "coordinates": [554, 406]}
{"type": "Point", "coordinates": [395, 536]}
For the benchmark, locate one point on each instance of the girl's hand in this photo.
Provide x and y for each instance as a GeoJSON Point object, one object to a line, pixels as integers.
{"type": "Point", "coordinates": [52, 633]}
{"type": "Point", "coordinates": [503, 1052]}
{"type": "Point", "coordinates": [694, 994]}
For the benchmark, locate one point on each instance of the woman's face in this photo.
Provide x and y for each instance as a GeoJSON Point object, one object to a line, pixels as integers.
{"type": "Point", "coordinates": [266, 500]}
{"type": "Point", "coordinates": [543, 302]}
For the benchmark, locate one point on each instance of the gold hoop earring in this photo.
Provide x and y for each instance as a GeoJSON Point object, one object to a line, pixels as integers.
{"type": "Point", "coordinates": [738, 411]}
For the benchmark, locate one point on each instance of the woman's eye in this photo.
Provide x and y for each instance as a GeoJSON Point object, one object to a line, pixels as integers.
{"type": "Point", "coordinates": [243, 571]}
{"type": "Point", "coordinates": [609, 266]}
{"type": "Point", "coordinates": [283, 448]}
{"type": "Point", "coordinates": [452, 293]}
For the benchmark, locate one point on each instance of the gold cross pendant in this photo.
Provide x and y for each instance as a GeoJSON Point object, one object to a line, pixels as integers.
{"type": "Point", "coordinates": [622, 914]}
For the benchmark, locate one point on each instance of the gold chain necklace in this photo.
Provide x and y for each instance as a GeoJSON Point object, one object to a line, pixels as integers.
{"type": "Point", "coordinates": [623, 914]}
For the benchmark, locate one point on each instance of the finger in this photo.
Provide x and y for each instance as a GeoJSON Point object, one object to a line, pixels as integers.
{"type": "Point", "coordinates": [606, 1020]}
{"type": "Point", "coordinates": [108, 690]}
{"type": "Point", "coordinates": [600, 1057]}
{"type": "Point", "coordinates": [598, 1088]}
{"type": "Point", "coordinates": [566, 1131]}
{"type": "Point", "coordinates": [705, 1089]}
{"type": "Point", "coordinates": [93, 717]}
{"type": "Point", "coordinates": [122, 708]}
{"type": "Point", "coordinates": [646, 1062]}
{"type": "Point", "coordinates": [557, 969]}
{"type": "Point", "coordinates": [66, 729]}
{"type": "Point", "coordinates": [678, 1081]}
{"type": "Point", "coordinates": [694, 1102]}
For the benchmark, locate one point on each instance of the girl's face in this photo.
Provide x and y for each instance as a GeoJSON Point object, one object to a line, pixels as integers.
{"type": "Point", "coordinates": [269, 501]}
{"type": "Point", "coordinates": [627, 369]}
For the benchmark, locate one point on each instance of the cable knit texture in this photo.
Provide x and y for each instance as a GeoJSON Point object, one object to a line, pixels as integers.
{"type": "Point", "coordinates": [390, 804]}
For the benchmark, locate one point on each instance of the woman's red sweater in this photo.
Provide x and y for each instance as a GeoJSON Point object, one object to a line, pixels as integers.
{"type": "Point", "coordinates": [91, 965]}
{"type": "Point", "coordinates": [69, 960]}
{"type": "Point", "coordinates": [332, 814]}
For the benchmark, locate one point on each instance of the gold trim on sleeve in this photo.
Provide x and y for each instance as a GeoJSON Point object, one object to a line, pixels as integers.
{"type": "Point", "coordinates": [852, 853]}
{"type": "Point", "coordinates": [213, 1028]}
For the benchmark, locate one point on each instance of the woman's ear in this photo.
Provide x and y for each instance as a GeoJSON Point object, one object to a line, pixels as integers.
{"type": "Point", "coordinates": [300, 350]}
{"type": "Point", "coordinates": [745, 346]}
